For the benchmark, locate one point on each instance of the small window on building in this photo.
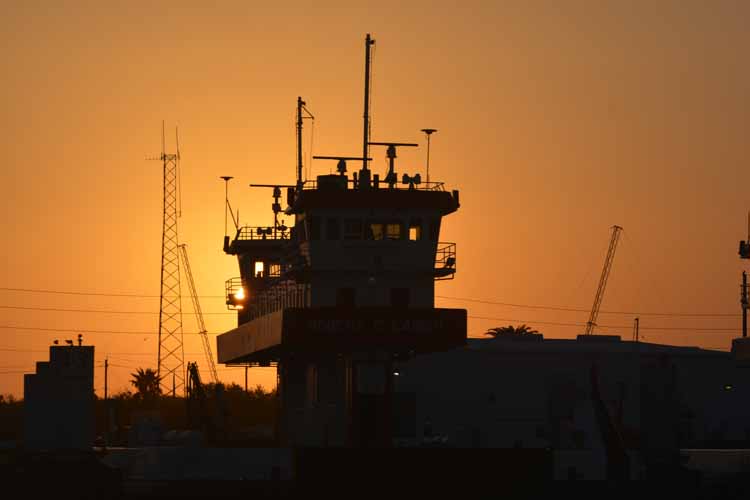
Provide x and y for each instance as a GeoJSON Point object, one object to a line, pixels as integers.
{"type": "Point", "coordinates": [258, 269]}
{"type": "Point", "coordinates": [375, 231]}
{"type": "Point", "coordinates": [352, 229]}
{"type": "Point", "coordinates": [434, 229]}
{"type": "Point", "coordinates": [345, 297]}
{"type": "Point", "coordinates": [314, 228]}
{"type": "Point", "coordinates": [415, 230]}
{"type": "Point", "coordinates": [333, 230]}
{"type": "Point", "coordinates": [274, 270]}
{"type": "Point", "coordinates": [393, 231]}
{"type": "Point", "coordinates": [400, 297]}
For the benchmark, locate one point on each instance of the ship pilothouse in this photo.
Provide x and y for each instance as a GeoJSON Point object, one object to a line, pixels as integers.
{"type": "Point", "coordinates": [344, 293]}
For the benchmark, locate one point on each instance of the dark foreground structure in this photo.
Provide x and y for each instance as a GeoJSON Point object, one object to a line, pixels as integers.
{"type": "Point", "coordinates": [381, 394]}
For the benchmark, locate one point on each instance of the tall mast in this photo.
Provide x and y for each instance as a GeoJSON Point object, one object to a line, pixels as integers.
{"type": "Point", "coordinates": [366, 129]}
{"type": "Point", "coordinates": [300, 104]}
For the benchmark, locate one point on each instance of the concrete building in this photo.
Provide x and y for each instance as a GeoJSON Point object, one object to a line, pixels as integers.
{"type": "Point", "coordinates": [59, 401]}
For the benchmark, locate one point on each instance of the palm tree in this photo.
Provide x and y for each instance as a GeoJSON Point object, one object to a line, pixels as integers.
{"type": "Point", "coordinates": [501, 331]}
{"type": "Point", "coordinates": [146, 382]}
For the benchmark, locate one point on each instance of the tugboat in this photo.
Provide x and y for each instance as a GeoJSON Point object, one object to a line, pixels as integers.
{"type": "Point", "coordinates": [344, 296]}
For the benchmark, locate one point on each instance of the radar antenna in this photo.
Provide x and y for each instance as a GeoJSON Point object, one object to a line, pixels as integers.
{"type": "Point", "coordinates": [391, 178]}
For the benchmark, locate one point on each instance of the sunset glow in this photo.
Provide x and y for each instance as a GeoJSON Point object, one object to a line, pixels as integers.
{"type": "Point", "coordinates": [555, 124]}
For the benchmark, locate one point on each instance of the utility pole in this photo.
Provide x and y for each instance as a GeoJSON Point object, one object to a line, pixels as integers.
{"type": "Point", "coordinates": [300, 116]}
{"type": "Point", "coordinates": [636, 327]}
{"type": "Point", "coordinates": [245, 378]}
{"type": "Point", "coordinates": [743, 301]}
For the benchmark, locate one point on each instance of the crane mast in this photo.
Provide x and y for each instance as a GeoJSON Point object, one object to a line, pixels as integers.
{"type": "Point", "coordinates": [591, 323]}
{"type": "Point", "coordinates": [198, 313]}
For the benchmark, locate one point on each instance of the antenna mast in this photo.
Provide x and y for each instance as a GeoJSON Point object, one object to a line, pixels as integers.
{"type": "Point", "coordinates": [428, 132]}
{"type": "Point", "coordinates": [366, 132]}
{"type": "Point", "coordinates": [300, 108]}
{"type": "Point", "coordinates": [170, 352]}
{"type": "Point", "coordinates": [603, 280]}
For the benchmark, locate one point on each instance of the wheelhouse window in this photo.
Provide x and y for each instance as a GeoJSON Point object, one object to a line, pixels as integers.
{"type": "Point", "coordinates": [333, 229]}
{"type": "Point", "coordinates": [259, 269]}
{"type": "Point", "coordinates": [352, 229]}
{"type": "Point", "coordinates": [415, 230]}
{"type": "Point", "coordinates": [375, 231]}
{"type": "Point", "coordinates": [393, 231]}
{"type": "Point", "coordinates": [400, 297]}
{"type": "Point", "coordinates": [274, 270]}
{"type": "Point", "coordinates": [345, 297]}
{"type": "Point", "coordinates": [313, 227]}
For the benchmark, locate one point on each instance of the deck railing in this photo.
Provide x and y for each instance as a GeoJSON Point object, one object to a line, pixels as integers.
{"type": "Point", "coordinates": [445, 261]}
{"type": "Point", "coordinates": [246, 233]}
{"type": "Point", "coordinates": [310, 185]}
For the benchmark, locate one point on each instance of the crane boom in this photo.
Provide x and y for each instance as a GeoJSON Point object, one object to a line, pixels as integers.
{"type": "Point", "coordinates": [603, 280]}
{"type": "Point", "coordinates": [198, 313]}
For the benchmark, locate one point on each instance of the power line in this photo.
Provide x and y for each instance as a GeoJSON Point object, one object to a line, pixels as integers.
{"type": "Point", "coordinates": [94, 294]}
{"type": "Point", "coordinates": [572, 309]}
{"type": "Point", "coordinates": [88, 331]}
{"type": "Point", "coordinates": [112, 311]}
{"type": "Point", "coordinates": [100, 311]}
{"type": "Point", "coordinates": [602, 326]}
{"type": "Point", "coordinates": [464, 299]}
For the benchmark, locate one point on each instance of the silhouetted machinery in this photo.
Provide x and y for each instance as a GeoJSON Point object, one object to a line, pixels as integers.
{"type": "Point", "coordinates": [591, 323]}
{"type": "Point", "coordinates": [745, 245]}
{"type": "Point", "coordinates": [199, 414]}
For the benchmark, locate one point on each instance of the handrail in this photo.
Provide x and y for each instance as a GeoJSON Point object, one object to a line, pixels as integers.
{"type": "Point", "coordinates": [311, 185]}
{"type": "Point", "coordinates": [445, 261]}
{"type": "Point", "coordinates": [246, 233]}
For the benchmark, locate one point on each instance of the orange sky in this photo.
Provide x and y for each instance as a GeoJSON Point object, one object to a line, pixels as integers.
{"type": "Point", "coordinates": [556, 120]}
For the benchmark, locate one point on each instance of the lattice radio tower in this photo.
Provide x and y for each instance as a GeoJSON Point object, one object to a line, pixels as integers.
{"type": "Point", "coordinates": [171, 353]}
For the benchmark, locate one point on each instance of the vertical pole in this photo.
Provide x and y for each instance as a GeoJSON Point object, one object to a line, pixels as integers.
{"type": "Point", "coordinates": [636, 328]}
{"type": "Point", "coordinates": [366, 129]}
{"type": "Point", "coordinates": [744, 304]}
{"type": "Point", "coordinates": [226, 204]}
{"type": "Point", "coordinates": [428, 160]}
{"type": "Point", "coordinates": [174, 387]}
{"type": "Point", "coordinates": [245, 378]}
{"type": "Point", "coordinates": [106, 402]}
{"type": "Point", "coordinates": [300, 103]}
{"type": "Point", "coordinates": [428, 132]}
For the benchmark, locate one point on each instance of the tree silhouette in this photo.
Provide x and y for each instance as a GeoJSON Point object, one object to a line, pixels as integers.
{"type": "Point", "coordinates": [146, 382]}
{"type": "Point", "coordinates": [502, 331]}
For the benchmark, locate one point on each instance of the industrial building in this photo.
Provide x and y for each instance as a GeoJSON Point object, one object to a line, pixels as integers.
{"type": "Point", "coordinates": [59, 400]}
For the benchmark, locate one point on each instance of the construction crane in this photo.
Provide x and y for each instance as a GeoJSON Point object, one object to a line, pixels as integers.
{"type": "Point", "coordinates": [198, 313]}
{"type": "Point", "coordinates": [591, 323]}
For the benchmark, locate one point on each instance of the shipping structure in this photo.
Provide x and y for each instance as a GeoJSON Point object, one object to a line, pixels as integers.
{"type": "Point", "coordinates": [340, 298]}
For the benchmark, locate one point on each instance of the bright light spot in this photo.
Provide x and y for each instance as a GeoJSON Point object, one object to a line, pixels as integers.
{"type": "Point", "coordinates": [259, 269]}
{"type": "Point", "coordinates": [239, 307]}
{"type": "Point", "coordinates": [239, 294]}
{"type": "Point", "coordinates": [396, 373]}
